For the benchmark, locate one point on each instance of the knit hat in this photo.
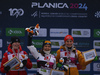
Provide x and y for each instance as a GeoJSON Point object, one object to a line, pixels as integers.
{"type": "Point", "coordinates": [15, 39]}
{"type": "Point", "coordinates": [46, 42]}
{"type": "Point", "coordinates": [67, 37]}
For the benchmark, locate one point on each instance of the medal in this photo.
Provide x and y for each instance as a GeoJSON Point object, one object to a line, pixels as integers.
{"type": "Point", "coordinates": [48, 59]}
{"type": "Point", "coordinates": [47, 63]}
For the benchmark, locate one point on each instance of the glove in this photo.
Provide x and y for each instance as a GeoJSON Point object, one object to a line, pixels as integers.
{"type": "Point", "coordinates": [96, 58]}
{"type": "Point", "coordinates": [7, 68]}
{"type": "Point", "coordinates": [66, 67]}
{"type": "Point", "coordinates": [24, 62]}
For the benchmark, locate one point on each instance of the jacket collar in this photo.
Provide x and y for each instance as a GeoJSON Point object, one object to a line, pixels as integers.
{"type": "Point", "coordinates": [64, 48]}
{"type": "Point", "coordinates": [10, 49]}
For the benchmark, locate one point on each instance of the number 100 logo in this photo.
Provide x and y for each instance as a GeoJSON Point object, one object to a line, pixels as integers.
{"type": "Point", "coordinates": [16, 12]}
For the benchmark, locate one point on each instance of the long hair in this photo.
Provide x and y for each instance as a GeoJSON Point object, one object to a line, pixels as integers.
{"type": "Point", "coordinates": [42, 52]}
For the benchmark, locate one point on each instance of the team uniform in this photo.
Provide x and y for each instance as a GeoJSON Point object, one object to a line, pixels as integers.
{"type": "Point", "coordinates": [44, 63]}
{"type": "Point", "coordinates": [9, 55]}
{"type": "Point", "coordinates": [71, 58]}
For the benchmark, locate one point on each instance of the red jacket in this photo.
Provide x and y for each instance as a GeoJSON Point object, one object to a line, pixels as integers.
{"type": "Point", "coordinates": [9, 55]}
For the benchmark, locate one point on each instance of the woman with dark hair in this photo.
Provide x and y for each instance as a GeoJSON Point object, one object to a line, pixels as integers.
{"type": "Point", "coordinates": [45, 60]}
{"type": "Point", "coordinates": [15, 50]}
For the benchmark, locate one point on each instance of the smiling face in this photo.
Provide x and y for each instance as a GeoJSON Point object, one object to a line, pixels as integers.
{"type": "Point", "coordinates": [69, 43]}
{"type": "Point", "coordinates": [47, 47]}
{"type": "Point", "coordinates": [15, 45]}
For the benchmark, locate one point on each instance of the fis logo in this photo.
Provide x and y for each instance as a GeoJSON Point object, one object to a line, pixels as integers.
{"type": "Point", "coordinates": [34, 14]}
{"type": "Point", "coordinates": [16, 12]}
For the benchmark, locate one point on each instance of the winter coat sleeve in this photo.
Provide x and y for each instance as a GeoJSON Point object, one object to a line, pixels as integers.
{"type": "Point", "coordinates": [34, 51]}
{"type": "Point", "coordinates": [58, 56]}
{"type": "Point", "coordinates": [4, 60]}
{"type": "Point", "coordinates": [29, 63]}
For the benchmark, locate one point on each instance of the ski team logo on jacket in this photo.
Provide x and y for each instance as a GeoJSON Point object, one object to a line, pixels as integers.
{"type": "Point", "coordinates": [64, 53]}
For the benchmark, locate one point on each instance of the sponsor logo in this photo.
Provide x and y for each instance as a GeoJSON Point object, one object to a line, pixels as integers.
{"type": "Point", "coordinates": [98, 54]}
{"type": "Point", "coordinates": [0, 64]}
{"type": "Point", "coordinates": [0, 54]}
{"type": "Point", "coordinates": [58, 32]}
{"type": "Point", "coordinates": [0, 31]}
{"type": "Point", "coordinates": [97, 14]}
{"type": "Point", "coordinates": [96, 66]}
{"type": "Point", "coordinates": [1, 43]}
{"type": "Point", "coordinates": [30, 55]}
{"type": "Point", "coordinates": [42, 32]}
{"type": "Point", "coordinates": [32, 74]}
{"type": "Point", "coordinates": [37, 43]}
{"type": "Point", "coordinates": [81, 32]}
{"type": "Point", "coordinates": [96, 32]}
{"type": "Point", "coordinates": [87, 68]}
{"type": "Point", "coordinates": [56, 43]}
{"type": "Point", "coordinates": [21, 42]}
{"type": "Point", "coordinates": [84, 74]}
{"type": "Point", "coordinates": [96, 44]}
{"type": "Point", "coordinates": [0, 12]}
{"type": "Point", "coordinates": [54, 53]}
{"type": "Point", "coordinates": [16, 12]}
{"type": "Point", "coordinates": [15, 32]}
{"type": "Point", "coordinates": [82, 44]}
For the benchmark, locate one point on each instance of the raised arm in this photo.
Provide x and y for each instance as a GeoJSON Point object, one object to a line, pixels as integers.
{"type": "Point", "coordinates": [31, 47]}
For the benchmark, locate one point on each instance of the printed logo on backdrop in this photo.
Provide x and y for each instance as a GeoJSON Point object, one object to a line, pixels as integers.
{"type": "Point", "coordinates": [22, 42]}
{"type": "Point", "coordinates": [96, 44]}
{"type": "Point", "coordinates": [96, 32]}
{"type": "Point", "coordinates": [0, 12]}
{"type": "Point", "coordinates": [81, 32]}
{"type": "Point", "coordinates": [1, 43]}
{"type": "Point", "coordinates": [84, 74]}
{"type": "Point", "coordinates": [35, 14]}
{"type": "Point", "coordinates": [0, 64]}
{"type": "Point", "coordinates": [58, 32]}
{"type": "Point", "coordinates": [59, 6]}
{"type": "Point", "coordinates": [98, 54]}
{"type": "Point", "coordinates": [42, 33]}
{"type": "Point", "coordinates": [56, 43]}
{"type": "Point", "coordinates": [0, 54]}
{"type": "Point", "coordinates": [96, 67]}
{"type": "Point", "coordinates": [32, 74]}
{"type": "Point", "coordinates": [30, 55]}
{"type": "Point", "coordinates": [97, 14]}
{"type": "Point", "coordinates": [87, 68]}
{"type": "Point", "coordinates": [16, 12]}
{"type": "Point", "coordinates": [82, 43]}
{"type": "Point", "coordinates": [15, 32]}
{"type": "Point", "coordinates": [54, 53]}
{"type": "Point", "coordinates": [37, 43]}
{"type": "Point", "coordinates": [34, 66]}
{"type": "Point", "coordinates": [0, 31]}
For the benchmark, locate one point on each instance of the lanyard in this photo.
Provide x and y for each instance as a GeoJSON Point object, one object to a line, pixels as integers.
{"type": "Point", "coordinates": [48, 59]}
{"type": "Point", "coordinates": [68, 52]}
{"type": "Point", "coordinates": [15, 53]}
